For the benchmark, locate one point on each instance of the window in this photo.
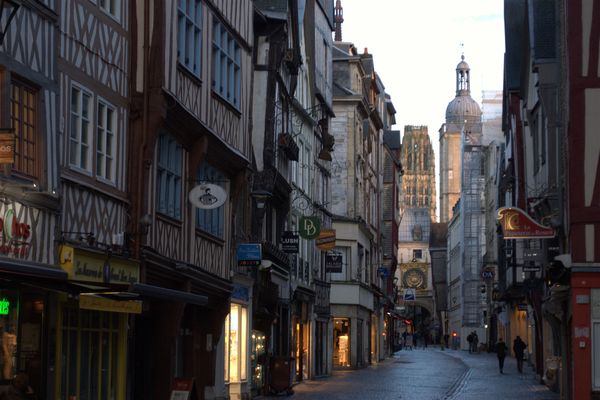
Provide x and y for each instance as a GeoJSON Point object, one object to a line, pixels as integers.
{"type": "Point", "coordinates": [417, 254]}
{"type": "Point", "coordinates": [87, 140]}
{"type": "Point", "coordinates": [226, 65]}
{"type": "Point", "coordinates": [236, 326]}
{"type": "Point", "coordinates": [212, 220]}
{"type": "Point", "coordinates": [111, 7]}
{"type": "Point", "coordinates": [105, 142]}
{"type": "Point", "coordinates": [23, 109]}
{"type": "Point", "coordinates": [189, 41]}
{"type": "Point", "coordinates": [168, 176]}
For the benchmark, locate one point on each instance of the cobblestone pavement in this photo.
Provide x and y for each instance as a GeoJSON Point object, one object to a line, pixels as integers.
{"type": "Point", "coordinates": [429, 374]}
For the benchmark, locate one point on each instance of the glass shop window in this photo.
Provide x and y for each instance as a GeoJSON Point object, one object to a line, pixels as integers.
{"type": "Point", "coordinates": [21, 324]}
{"type": "Point", "coordinates": [236, 328]}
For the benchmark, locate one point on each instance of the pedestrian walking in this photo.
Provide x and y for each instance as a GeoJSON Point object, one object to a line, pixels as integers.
{"type": "Point", "coordinates": [470, 341]}
{"type": "Point", "coordinates": [447, 340]}
{"type": "Point", "coordinates": [409, 341]}
{"type": "Point", "coordinates": [475, 342]}
{"type": "Point", "coordinates": [501, 353]}
{"type": "Point", "coordinates": [519, 349]}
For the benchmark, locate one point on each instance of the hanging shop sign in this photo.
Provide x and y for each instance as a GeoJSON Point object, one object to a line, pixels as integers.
{"type": "Point", "coordinates": [517, 224]}
{"type": "Point", "coordinates": [87, 266]}
{"type": "Point", "coordinates": [326, 239]}
{"type": "Point", "coordinates": [333, 262]}
{"type": "Point", "coordinates": [310, 227]}
{"type": "Point", "coordinates": [249, 254]}
{"type": "Point", "coordinates": [290, 242]}
{"type": "Point", "coordinates": [207, 196]}
{"type": "Point", "coordinates": [7, 146]}
{"type": "Point", "coordinates": [487, 274]}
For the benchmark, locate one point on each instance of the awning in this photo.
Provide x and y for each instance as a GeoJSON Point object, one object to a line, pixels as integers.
{"type": "Point", "coordinates": [21, 268]}
{"type": "Point", "coordinates": [159, 292]}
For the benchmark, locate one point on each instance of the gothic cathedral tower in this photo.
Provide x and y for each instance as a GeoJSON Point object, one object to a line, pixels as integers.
{"type": "Point", "coordinates": [418, 181]}
{"type": "Point", "coordinates": [463, 118]}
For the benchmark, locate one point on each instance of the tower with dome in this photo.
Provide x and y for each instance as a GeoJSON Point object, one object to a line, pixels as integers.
{"type": "Point", "coordinates": [463, 120]}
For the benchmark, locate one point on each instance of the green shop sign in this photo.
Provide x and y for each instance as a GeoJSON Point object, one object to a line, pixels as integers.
{"type": "Point", "coordinates": [4, 306]}
{"type": "Point", "coordinates": [310, 227]}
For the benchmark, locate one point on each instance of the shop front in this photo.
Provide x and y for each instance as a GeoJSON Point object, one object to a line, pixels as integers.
{"type": "Point", "coordinates": [341, 342]}
{"type": "Point", "coordinates": [30, 282]}
{"type": "Point", "coordinates": [240, 347]}
{"type": "Point", "coordinates": [302, 303]}
{"type": "Point", "coordinates": [92, 324]}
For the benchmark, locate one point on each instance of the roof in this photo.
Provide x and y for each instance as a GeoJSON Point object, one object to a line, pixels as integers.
{"type": "Point", "coordinates": [437, 238]}
{"type": "Point", "coordinates": [392, 139]}
{"type": "Point", "coordinates": [462, 107]}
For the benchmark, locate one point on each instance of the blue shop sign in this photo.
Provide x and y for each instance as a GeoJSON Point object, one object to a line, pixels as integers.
{"type": "Point", "coordinates": [249, 254]}
{"type": "Point", "coordinates": [240, 293]}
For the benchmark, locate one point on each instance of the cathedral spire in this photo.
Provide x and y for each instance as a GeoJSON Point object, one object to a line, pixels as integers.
{"type": "Point", "coordinates": [339, 18]}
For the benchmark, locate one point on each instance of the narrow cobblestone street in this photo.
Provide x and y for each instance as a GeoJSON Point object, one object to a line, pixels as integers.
{"type": "Point", "coordinates": [429, 374]}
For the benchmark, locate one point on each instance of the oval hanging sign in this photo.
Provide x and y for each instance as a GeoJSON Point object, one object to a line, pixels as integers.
{"type": "Point", "coordinates": [207, 196]}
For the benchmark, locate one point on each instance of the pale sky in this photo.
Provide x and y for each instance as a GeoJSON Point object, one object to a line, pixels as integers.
{"type": "Point", "coordinates": [416, 45]}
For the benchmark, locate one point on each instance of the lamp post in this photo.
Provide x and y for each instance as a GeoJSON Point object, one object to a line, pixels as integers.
{"type": "Point", "coordinates": [11, 6]}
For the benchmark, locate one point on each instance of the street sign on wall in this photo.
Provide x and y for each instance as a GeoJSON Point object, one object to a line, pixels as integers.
{"type": "Point", "coordinates": [249, 254]}
{"type": "Point", "coordinates": [333, 262]}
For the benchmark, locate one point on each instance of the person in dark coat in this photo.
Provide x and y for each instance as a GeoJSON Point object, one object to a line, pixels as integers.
{"type": "Point", "coordinates": [501, 353]}
{"type": "Point", "coordinates": [470, 340]}
{"type": "Point", "coordinates": [519, 349]}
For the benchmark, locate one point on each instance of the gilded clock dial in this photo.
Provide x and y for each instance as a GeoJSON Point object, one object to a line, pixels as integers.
{"type": "Point", "coordinates": [414, 278]}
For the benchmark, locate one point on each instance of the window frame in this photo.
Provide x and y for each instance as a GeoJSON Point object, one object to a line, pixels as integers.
{"type": "Point", "coordinates": [167, 166]}
{"type": "Point", "coordinates": [87, 169]}
{"type": "Point", "coordinates": [116, 15]}
{"type": "Point", "coordinates": [33, 172]}
{"type": "Point", "coordinates": [186, 20]}
{"type": "Point", "coordinates": [210, 174]}
{"type": "Point", "coordinates": [114, 152]}
{"type": "Point", "coordinates": [226, 53]}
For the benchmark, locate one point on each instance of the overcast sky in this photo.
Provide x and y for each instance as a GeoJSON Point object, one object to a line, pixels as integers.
{"type": "Point", "coordinates": [416, 45]}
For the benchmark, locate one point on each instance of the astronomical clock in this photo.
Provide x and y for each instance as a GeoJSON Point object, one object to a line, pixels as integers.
{"type": "Point", "coordinates": [414, 276]}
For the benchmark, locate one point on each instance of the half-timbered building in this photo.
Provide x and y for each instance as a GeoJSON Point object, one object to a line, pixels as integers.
{"type": "Point", "coordinates": [190, 143]}
{"type": "Point", "coordinates": [29, 207]}
{"type": "Point", "coordinates": [92, 129]}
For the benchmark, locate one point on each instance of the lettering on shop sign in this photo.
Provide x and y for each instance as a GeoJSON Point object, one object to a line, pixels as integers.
{"type": "Point", "coordinates": [4, 306]}
{"type": "Point", "coordinates": [120, 275]}
{"type": "Point", "coordinates": [15, 235]}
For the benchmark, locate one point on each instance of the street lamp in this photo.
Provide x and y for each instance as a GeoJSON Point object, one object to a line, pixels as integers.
{"type": "Point", "coordinates": [11, 6]}
{"type": "Point", "coordinates": [261, 197]}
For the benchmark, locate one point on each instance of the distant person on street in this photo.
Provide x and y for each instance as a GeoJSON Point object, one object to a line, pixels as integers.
{"type": "Point", "coordinates": [409, 342]}
{"type": "Point", "coordinates": [470, 341]}
{"type": "Point", "coordinates": [519, 349]}
{"type": "Point", "coordinates": [447, 340]}
{"type": "Point", "coordinates": [475, 342]}
{"type": "Point", "coordinates": [501, 353]}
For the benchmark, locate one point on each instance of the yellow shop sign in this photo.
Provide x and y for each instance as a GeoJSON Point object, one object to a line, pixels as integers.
{"type": "Point", "coordinates": [97, 303]}
{"type": "Point", "coordinates": [87, 266]}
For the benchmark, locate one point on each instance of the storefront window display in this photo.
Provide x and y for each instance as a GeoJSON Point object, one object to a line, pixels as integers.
{"type": "Point", "coordinates": [21, 324]}
{"type": "Point", "coordinates": [341, 342]}
{"type": "Point", "coordinates": [257, 357]}
{"type": "Point", "coordinates": [236, 328]}
{"type": "Point", "coordinates": [93, 349]}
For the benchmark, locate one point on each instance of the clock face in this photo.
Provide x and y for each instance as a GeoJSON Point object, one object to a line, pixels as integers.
{"type": "Point", "coordinates": [414, 278]}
